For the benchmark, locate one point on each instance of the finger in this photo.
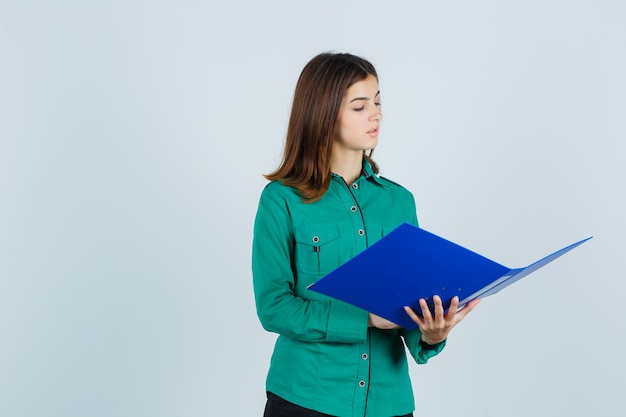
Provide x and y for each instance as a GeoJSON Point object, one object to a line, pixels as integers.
{"type": "Point", "coordinates": [467, 308]}
{"type": "Point", "coordinates": [425, 310]}
{"type": "Point", "coordinates": [452, 310]}
{"type": "Point", "coordinates": [439, 315]}
{"type": "Point", "coordinates": [413, 315]}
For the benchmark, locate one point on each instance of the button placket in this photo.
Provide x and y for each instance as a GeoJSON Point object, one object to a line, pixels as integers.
{"type": "Point", "coordinates": [359, 224]}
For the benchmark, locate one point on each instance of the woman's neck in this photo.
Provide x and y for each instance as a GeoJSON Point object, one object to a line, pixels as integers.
{"type": "Point", "coordinates": [347, 166]}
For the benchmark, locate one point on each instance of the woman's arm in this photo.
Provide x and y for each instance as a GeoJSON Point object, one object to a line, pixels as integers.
{"type": "Point", "coordinates": [279, 309]}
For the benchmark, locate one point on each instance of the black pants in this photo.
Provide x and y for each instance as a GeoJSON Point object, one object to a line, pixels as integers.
{"type": "Point", "coordinates": [279, 407]}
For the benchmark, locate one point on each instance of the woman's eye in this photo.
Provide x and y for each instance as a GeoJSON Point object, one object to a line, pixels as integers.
{"type": "Point", "coordinates": [378, 104]}
{"type": "Point", "coordinates": [360, 108]}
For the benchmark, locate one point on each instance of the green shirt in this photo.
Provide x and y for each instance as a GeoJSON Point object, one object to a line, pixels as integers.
{"type": "Point", "coordinates": [326, 358]}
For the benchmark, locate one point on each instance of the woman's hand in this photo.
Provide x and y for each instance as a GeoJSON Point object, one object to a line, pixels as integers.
{"type": "Point", "coordinates": [380, 323]}
{"type": "Point", "coordinates": [435, 329]}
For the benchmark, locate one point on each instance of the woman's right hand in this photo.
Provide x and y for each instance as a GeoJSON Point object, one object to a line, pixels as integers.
{"type": "Point", "coordinates": [380, 323]}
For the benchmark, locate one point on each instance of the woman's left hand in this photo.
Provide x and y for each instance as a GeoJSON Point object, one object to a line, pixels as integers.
{"type": "Point", "coordinates": [435, 329]}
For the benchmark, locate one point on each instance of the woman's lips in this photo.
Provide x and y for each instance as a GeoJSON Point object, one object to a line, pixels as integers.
{"type": "Point", "coordinates": [373, 132]}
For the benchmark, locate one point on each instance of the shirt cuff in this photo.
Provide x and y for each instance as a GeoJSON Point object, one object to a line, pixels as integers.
{"type": "Point", "coordinates": [346, 323]}
{"type": "Point", "coordinates": [428, 346]}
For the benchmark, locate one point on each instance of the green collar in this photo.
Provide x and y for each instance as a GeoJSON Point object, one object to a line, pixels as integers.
{"type": "Point", "coordinates": [368, 172]}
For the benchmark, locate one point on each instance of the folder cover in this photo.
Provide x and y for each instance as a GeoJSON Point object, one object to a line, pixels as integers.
{"type": "Point", "coordinates": [411, 263]}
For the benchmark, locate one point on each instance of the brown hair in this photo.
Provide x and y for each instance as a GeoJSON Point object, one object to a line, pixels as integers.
{"type": "Point", "coordinates": [316, 102]}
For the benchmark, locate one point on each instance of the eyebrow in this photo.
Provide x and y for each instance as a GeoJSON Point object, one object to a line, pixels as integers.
{"type": "Point", "coordinates": [364, 98]}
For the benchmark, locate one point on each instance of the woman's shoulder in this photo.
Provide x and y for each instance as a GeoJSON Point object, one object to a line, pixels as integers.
{"type": "Point", "coordinates": [277, 189]}
{"type": "Point", "coordinates": [394, 186]}
{"type": "Point", "coordinates": [277, 186]}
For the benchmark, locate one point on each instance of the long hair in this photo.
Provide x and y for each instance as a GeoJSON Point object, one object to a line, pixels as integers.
{"type": "Point", "coordinates": [316, 103]}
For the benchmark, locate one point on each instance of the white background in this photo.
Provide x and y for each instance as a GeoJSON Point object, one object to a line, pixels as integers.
{"type": "Point", "coordinates": [133, 136]}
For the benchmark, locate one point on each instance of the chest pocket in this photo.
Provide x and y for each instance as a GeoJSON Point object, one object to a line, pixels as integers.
{"type": "Point", "coordinates": [376, 231]}
{"type": "Point", "coordinates": [317, 249]}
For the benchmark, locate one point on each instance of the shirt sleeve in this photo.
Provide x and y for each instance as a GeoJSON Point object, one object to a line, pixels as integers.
{"type": "Point", "coordinates": [278, 308]}
{"type": "Point", "coordinates": [420, 351]}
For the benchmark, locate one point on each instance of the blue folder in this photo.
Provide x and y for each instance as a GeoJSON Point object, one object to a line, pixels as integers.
{"type": "Point", "coordinates": [410, 263]}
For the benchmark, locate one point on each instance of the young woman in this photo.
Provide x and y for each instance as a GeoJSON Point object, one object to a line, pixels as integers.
{"type": "Point", "coordinates": [325, 204]}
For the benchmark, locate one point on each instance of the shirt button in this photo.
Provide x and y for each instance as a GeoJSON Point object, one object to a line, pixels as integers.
{"type": "Point", "coordinates": [361, 384]}
{"type": "Point", "coordinates": [364, 356]}
{"type": "Point", "coordinates": [355, 185]}
{"type": "Point", "coordinates": [315, 239]}
{"type": "Point", "coordinates": [353, 209]}
{"type": "Point", "coordinates": [361, 232]}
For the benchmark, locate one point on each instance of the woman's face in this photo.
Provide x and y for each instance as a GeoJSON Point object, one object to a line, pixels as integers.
{"type": "Point", "coordinates": [359, 118]}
